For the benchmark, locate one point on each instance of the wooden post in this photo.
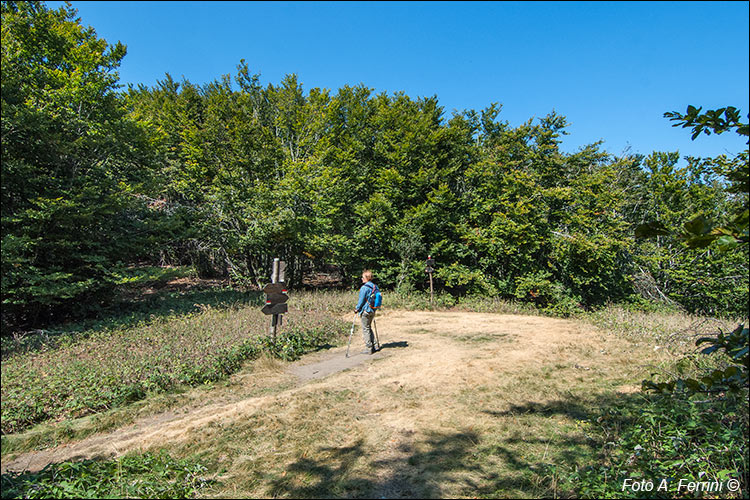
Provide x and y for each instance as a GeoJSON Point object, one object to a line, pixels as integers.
{"type": "Point", "coordinates": [431, 298]}
{"type": "Point", "coordinates": [281, 277]}
{"type": "Point", "coordinates": [274, 279]}
{"type": "Point", "coordinates": [431, 305]}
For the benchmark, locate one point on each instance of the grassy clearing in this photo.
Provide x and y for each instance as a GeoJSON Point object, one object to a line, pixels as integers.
{"type": "Point", "coordinates": [563, 425]}
{"type": "Point", "coordinates": [389, 439]}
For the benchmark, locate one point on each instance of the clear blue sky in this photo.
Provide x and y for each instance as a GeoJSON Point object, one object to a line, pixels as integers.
{"type": "Point", "coordinates": [612, 68]}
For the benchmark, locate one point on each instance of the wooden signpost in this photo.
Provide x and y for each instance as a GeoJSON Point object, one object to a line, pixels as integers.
{"type": "Point", "coordinates": [276, 295]}
{"type": "Point", "coordinates": [429, 270]}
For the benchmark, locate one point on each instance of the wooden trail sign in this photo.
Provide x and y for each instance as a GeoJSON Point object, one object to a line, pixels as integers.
{"type": "Point", "coordinates": [275, 309]}
{"type": "Point", "coordinates": [276, 298]}
{"type": "Point", "coordinates": [276, 295]}
{"type": "Point", "coordinates": [274, 288]}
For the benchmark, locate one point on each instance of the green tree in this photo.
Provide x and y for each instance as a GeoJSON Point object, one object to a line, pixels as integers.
{"type": "Point", "coordinates": [729, 234]}
{"type": "Point", "coordinates": [698, 218]}
{"type": "Point", "coordinates": [74, 167]}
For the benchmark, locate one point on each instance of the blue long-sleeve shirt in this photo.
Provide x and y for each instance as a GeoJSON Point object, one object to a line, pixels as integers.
{"type": "Point", "coordinates": [364, 293]}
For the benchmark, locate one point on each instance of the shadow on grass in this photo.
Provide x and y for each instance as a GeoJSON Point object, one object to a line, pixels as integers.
{"type": "Point", "coordinates": [461, 463]}
{"type": "Point", "coordinates": [527, 473]}
{"type": "Point", "coordinates": [335, 475]}
{"type": "Point", "coordinates": [393, 345]}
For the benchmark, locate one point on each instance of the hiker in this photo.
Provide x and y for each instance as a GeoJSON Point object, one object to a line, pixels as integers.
{"type": "Point", "coordinates": [367, 312]}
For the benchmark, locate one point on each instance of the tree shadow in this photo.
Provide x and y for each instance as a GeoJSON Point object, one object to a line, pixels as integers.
{"type": "Point", "coordinates": [525, 473]}
{"type": "Point", "coordinates": [338, 473]}
{"type": "Point", "coordinates": [308, 478]}
{"type": "Point", "coordinates": [464, 460]}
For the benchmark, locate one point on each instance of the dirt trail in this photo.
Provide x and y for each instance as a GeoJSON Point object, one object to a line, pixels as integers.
{"type": "Point", "coordinates": [428, 352]}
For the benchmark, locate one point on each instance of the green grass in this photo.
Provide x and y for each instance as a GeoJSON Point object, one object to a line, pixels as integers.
{"type": "Point", "coordinates": [478, 338]}
{"type": "Point", "coordinates": [659, 438]}
{"type": "Point", "coordinates": [149, 475]}
{"type": "Point", "coordinates": [88, 372]}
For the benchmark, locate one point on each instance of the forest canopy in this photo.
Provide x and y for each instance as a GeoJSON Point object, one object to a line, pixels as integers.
{"type": "Point", "coordinates": [98, 179]}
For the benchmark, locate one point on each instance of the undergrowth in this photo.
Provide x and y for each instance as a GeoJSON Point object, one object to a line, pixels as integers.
{"type": "Point", "coordinates": [665, 443]}
{"type": "Point", "coordinates": [79, 375]}
{"type": "Point", "coordinates": [149, 475]}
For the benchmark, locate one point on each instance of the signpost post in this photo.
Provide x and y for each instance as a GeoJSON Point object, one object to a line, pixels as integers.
{"type": "Point", "coordinates": [429, 270]}
{"type": "Point", "coordinates": [276, 295]}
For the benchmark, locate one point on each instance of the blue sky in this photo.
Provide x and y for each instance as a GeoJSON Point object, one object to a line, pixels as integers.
{"type": "Point", "coordinates": [612, 68]}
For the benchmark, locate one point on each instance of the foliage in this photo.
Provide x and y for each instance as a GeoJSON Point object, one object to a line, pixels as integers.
{"type": "Point", "coordinates": [665, 438]}
{"type": "Point", "coordinates": [683, 262]}
{"type": "Point", "coordinates": [710, 121]}
{"type": "Point", "coordinates": [148, 475]}
{"type": "Point", "coordinates": [730, 239]}
{"type": "Point", "coordinates": [733, 377]}
{"type": "Point", "coordinates": [74, 166]}
{"type": "Point", "coordinates": [228, 175]}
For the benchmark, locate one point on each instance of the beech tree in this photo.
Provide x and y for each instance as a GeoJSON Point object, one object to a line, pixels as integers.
{"type": "Point", "coordinates": [73, 164]}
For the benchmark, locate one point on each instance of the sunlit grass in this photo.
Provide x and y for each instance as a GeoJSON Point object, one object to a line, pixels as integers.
{"type": "Point", "coordinates": [513, 434]}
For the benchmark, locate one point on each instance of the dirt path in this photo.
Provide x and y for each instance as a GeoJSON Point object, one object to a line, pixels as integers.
{"type": "Point", "coordinates": [427, 363]}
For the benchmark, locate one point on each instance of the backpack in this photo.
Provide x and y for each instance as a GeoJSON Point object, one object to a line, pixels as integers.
{"type": "Point", "coordinates": [376, 298]}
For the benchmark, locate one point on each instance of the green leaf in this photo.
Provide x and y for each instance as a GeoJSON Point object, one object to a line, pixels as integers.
{"type": "Point", "coordinates": [693, 384]}
{"type": "Point", "coordinates": [709, 350]}
{"type": "Point", "coordinates": [651, 229]}
{"type": "Point", "coordinates": [742, 352]}
{"type": "Point", "coordinates": [698, 226]}
{"type": "Point", "coordinates": [726, 243]}
{"type": "Point", "coordinates": [701, 241]}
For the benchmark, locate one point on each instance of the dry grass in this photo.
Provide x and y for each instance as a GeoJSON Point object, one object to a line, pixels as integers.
{"type": "Point", "coordinates": [457, 419]}
{"type": "Point", "coordinates": [458, 405]}
{"type": "Point", "coordinates": [443, 417]}
{"type": "Point", "coordinates": [672, 329]}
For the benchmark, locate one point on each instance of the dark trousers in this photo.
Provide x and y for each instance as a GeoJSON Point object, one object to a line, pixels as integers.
{"type": "Point", "coordinates": [367, 334]}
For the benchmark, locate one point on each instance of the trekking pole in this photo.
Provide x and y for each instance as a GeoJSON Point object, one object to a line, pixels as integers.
{"type": "Point", "coordinates": [351, 332]}
{"type": "Point", "coordinates": [375, 328]}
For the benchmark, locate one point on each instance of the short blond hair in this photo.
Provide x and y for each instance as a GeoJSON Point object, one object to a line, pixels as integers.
{"type": "Point", "coordinates": [367, 274]}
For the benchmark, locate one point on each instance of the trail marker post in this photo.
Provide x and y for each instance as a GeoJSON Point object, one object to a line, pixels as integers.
{"type": "Point", "coordinates": [276, 295]}
{"type": "Point", "coordinates": [429, 270]}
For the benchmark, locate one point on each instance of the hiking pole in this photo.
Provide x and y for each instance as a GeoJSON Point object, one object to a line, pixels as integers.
{"type": "Point", "coordinates": [351, 332]}
{"type": "Point", "coordinates": [375, 329]}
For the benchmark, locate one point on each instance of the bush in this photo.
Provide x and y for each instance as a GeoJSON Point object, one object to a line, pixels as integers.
{"type": "Point", "coordinates": [669, 438]}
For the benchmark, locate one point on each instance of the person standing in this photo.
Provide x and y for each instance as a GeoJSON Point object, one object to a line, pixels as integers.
{"type": "Point", "coordinates": [367, 312]}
